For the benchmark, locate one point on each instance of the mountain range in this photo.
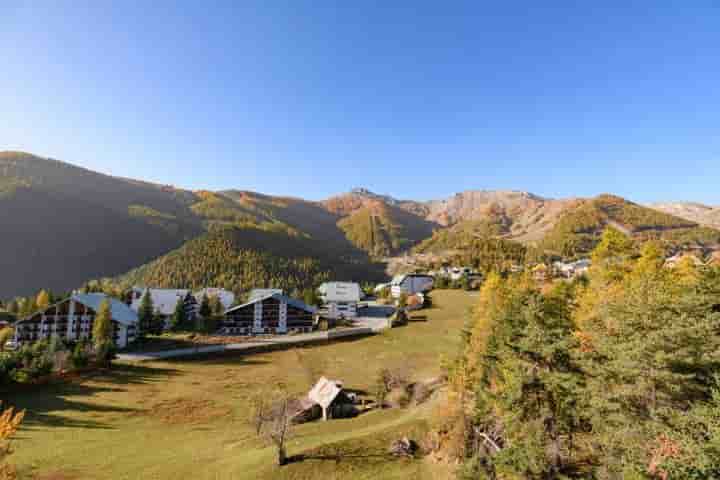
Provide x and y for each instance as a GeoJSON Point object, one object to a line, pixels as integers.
{"type": "Point", "coordinates": [63, 225]}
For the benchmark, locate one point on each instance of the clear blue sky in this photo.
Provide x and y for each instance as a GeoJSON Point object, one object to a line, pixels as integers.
{"type": "Point", "coordinates": [418, 99]}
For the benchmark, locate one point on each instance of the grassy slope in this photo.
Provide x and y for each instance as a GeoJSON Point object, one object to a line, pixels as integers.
{"type": "Point", "coordinates": [186, 419]}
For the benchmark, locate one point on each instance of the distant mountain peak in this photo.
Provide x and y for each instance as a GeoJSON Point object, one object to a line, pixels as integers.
{"type": "Point", "coordinates": [367, 193]}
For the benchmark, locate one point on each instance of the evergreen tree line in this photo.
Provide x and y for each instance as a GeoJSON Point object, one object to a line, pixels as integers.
{"type": "Point", "coordinates": [615, 376]}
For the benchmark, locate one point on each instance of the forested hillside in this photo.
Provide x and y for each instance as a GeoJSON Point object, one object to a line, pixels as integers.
{"type": "Point", "coordinates": [381, 229]}
{"type": "Point", "coordinates": [578, 229]}
{"type": "Point", "coordinates": [609, 377]}
{"type": "Point", "coordinates": [240, 259]}
{"type": "Point", "coordinates": [64, 225]}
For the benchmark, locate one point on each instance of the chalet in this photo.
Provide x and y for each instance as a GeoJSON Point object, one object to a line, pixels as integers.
{"type": "Point", "coordinates": [333, 400]}
{"type": "Point", "coordinates": [456, 273]}
{"type": "Point", "coordinates": [227, 298]}
{"type": "Point", "coordinates": [72, 319]}
{"type": "Point", "coordinates": [340, 299]}
{"type": "Point", "coordinates": [572, 269]}
{"type": "Point", "coordinates": [164, 301]}
{"type": "Point", "coordinates": [411, 284]}
{"type": "Point", "coordinates": [271, 314]}
{"type": "Point", "coordinates": [264, 292]}
{"type": "Point", "coordinates": [678, 258]}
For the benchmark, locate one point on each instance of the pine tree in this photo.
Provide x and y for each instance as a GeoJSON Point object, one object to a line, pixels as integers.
{"type": "Point", "coordinates": [216, 306]}
{"type": "Point", "coordinates": [178, 320]}
{"type": "Point", "coordinates": [158, 323]}
{"type": "Point", "coordinates": [205, 309]}
{"type": "Point", "coordinates": [146, 313]}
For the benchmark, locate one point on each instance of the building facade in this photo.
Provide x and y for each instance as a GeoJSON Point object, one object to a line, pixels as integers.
{"type": "Point", "coordinates": [72, 320]}
{"type": "Point", "coordinates": [271, 314]}
{"type": "Point", "coordinates": [340, 299]}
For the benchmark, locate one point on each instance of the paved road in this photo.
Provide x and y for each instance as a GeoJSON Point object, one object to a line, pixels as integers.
{"type": "Point", "coordinates": [372, 319]}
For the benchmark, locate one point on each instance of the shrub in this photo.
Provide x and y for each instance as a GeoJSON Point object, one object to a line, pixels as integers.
{"type": "Point", "coordinates": [80, 357]}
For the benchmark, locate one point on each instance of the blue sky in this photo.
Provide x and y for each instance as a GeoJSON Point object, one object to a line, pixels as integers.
{"type": "Point", "coordinates": [416, 99]}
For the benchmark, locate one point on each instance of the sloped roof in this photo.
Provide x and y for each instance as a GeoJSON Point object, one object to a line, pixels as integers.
{"type": "Point", "coordinates": [164, 300]}
{"type": "Point", "coordinates": [398, 279]}
{"type": "Point", "coordinates": [290, 301]}
{"type": "Point", "coordinates": [226, 297]}
{"type": "Point", "coordinates": [264, 292]}
{"type": "Point", "coordinates": [340, 292]}
{"type": "Point", "coordinates": [120, 312]}
{"type": "Point", "coordinates": [324, 392]}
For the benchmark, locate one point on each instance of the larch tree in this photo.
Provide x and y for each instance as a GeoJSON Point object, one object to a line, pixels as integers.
{"type": "Point", "coordinates": [102, 333]}
{"type": "Point", "coordinates": [10, 421]}
{"type": "Point", "coordinates": [43, 300]}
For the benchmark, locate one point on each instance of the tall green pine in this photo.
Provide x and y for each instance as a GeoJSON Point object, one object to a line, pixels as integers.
{"type": "Point", "coordinates": [146, 313]}
{"type": "Point", "coordinates": [178, 320]}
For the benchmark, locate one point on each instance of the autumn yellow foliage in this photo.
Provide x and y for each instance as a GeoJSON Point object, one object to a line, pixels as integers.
{"type": "Point", "coordinates": [10, 421]}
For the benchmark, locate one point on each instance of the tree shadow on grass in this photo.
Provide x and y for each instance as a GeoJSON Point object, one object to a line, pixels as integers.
{"type": "Point", "coordinates": [233, 358]}
{"type": "Point", "coordinates": [46, 405]}
{"type": "Point", "coordinates": [341, 455]}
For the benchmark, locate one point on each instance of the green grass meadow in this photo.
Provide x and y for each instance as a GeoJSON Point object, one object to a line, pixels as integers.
{"type": "Point", "coordinates": [188, 418]}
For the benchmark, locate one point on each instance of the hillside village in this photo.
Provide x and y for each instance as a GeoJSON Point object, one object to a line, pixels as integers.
{"type": "Point", "coordinates": [359, 278]}
{"type": "Point", "coordinates": [270, 311]}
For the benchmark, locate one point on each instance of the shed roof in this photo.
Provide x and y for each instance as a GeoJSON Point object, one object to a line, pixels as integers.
{"type": "Point", "coordinates": [324, 392]}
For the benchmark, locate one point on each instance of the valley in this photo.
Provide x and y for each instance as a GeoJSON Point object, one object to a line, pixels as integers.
{"type": "Point", "coordinates": [190, 417]}
{"type": "Point", "coordinates": [134, 232]}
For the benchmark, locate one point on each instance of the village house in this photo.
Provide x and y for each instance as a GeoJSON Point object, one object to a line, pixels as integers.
{"type": "Point", "coordinates": [332, 399]}
{"type": "Point", "coordinates": [164, 301]}
{"type": "Point", "coordinates": [340, 299]}
{"type": "Point", "coordinates": [226, 297]}
{"type": "Point", "coordinates": [675, 260]}
{"type": "Point", "coordinates": [411, 284]}
{"type": "Point", "coordinates": [72, 320]}
{"type": "Point", "coordinates": [270, 314]}
{"type": "Point", "coordinates": [572, 269]}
